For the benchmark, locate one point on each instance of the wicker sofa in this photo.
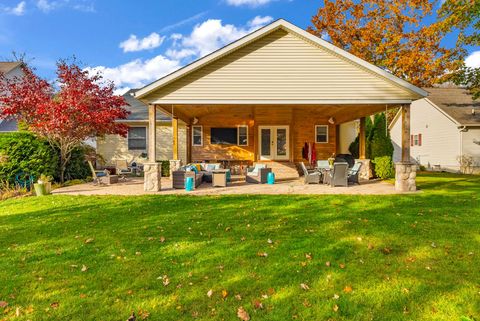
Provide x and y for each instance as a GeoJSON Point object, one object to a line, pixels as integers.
{"type": "Point", "coordinates": [257, 174]}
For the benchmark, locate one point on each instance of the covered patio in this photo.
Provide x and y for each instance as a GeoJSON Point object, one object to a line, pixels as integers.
{"type": "Point", "coordinates": [267, 95]}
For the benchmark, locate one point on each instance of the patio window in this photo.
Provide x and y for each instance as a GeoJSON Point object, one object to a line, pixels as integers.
{"type": "Point", "coordinates": [197, 135]}
{"type": "Point", "coordinates": [321, 134]}
{"type": "Point", "coordinates": [242, 139]}
{"type": "Point", "coordinates": [137, 138]}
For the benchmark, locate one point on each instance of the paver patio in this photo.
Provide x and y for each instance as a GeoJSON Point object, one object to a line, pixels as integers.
{"type": "Point", "coordinates": [134, 186]}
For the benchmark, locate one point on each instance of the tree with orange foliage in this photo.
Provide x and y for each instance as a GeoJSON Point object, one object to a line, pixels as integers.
{"type": "Point", "coordinates": [391, 34]}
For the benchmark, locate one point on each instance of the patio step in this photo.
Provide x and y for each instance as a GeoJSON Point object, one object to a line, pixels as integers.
{"type": "Point", "coordinates": [283, 170]}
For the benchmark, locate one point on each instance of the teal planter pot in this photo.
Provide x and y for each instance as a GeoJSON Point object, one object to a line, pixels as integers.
{"type": "Point", "coordinates": [189, 184]}
{"type": "Point", "coordinates": [271, 178]}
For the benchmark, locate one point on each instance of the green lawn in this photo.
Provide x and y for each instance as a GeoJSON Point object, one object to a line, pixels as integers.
{"type": "Point", "coordinates": [398, 257]}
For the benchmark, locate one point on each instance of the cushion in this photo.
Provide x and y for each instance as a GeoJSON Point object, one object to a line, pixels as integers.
{"type": "Point", "coordinates": [257, 167]}
{"type": "Point", "coordinates": [198, 167]}
{"type": "Point", "coordinates": [210, 167]}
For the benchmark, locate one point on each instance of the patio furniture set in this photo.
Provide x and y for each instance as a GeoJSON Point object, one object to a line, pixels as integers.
{"type": "Point", "coordinates": [216, 175]}
{"type": "Point", "coordinates": [337, 173]}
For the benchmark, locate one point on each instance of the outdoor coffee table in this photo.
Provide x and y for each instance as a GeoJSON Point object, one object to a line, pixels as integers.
{"type": "Point", "coordinates": [219, 177]}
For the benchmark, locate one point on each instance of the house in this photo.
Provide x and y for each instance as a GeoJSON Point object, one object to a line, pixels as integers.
{"type": "Point", "coordinates": [133, 148]}
{"type": "Point", "coordinates": [444, 126]}
{"type": "Point", "coordinates": [10, 70]}
{"type": "Point", "coordinates": [262, 97]}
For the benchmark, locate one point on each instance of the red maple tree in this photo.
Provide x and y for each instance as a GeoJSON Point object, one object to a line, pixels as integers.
{"type": "Point", "coordinates": [76, 107]}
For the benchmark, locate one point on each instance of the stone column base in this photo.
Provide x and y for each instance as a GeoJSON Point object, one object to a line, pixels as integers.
{"type": "Point", "coordinates": [405, 177]}
{"type": "Point", "coordinates": [365, 170]}
{"type": "Point", "coordinates": [153, 176]}
{"type": "Point", "coordinates": [174, 165]}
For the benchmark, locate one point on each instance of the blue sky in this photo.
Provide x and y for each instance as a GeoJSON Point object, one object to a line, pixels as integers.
{"type": "Point", "coordinates": [136, 42]}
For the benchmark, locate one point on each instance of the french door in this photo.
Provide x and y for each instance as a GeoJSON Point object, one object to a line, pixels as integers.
{"type": "Point", "coordinates": [274, 142]}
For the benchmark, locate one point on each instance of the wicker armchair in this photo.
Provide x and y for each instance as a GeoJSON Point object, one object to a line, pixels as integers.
{"type": "Point", "coordinates": [312, 176]}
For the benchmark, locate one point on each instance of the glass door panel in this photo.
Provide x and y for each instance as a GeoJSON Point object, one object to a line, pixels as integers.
{"type": "Point", "coordinates": [265, 138]}
{"type": "Point", "coordinates": [281, 142]}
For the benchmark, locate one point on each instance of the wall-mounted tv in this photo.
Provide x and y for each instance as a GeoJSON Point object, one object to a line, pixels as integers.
{"type": "Point", "coordinates": [223, 136]}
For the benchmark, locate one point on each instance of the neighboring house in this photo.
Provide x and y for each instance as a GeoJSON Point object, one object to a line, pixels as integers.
{"type": "Point", "coordinates": [10, 69]}
{"type": "Point", "coordinates": [262, 97]}
{"type": "Point", "coordinates": [444, 126]}
{"type": "Point", "coordinates": [134, 147]}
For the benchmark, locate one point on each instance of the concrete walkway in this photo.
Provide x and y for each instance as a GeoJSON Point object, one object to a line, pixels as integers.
{"type": "Point", "coordinates": [134, 186]}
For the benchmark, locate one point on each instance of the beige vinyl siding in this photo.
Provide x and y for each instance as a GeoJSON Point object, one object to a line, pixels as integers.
{"type": "Point", "coordinates": [281, 66]}
{"type": "Point", "coordinates": [440, 137]}
{"type": "Point", "coordinates": [113, 147]}
{"type": "Point", "coordinates": [471, 147]}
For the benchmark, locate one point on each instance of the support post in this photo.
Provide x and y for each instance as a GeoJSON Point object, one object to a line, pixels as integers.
{"type": "Point", "coordinates": [406, 133]}
{"type": "Point", "coordinates": [405, 171]}
{"type": "Point", "coordinates": [362, 148]}
{"type": "Point", "coordinates": [152, 136]}
{"type": "Point", "coordinates": [175, 138]}
{"type": "Point", "coordinates": [152, 170]}
{"type": "Point", "coordinates": [189, 144]}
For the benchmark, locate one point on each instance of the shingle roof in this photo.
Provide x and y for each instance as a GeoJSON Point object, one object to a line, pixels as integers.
{"type": "Point", "coordinates": [6, 67]}
{"type": "Point", "coordinates": [456, 103]}
{"type": "Point", "coordinates": [139, 110]}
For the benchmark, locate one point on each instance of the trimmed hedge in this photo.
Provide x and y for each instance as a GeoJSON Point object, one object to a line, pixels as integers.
{"type": "Point", "coordinates": [24, 152]}
{"type": "Point", "coordinates": [384, 167]}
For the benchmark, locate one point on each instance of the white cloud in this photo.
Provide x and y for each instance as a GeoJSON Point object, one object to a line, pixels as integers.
{"type": "Point", "coordinates": [132, 44]}
{"type": "Point", "coordinates": [138, 72]}
{"type": "Point", "coordinates": [473, 60]}
{"type": "Point", "coordinates": [80, 5]}
{"type": "Point", "coordinates": [251, 3]}
{"type": "Point", "coordinates": [46, 5]}
{"type": "Point", "coordinates": [18, 10]}
{"type": "Point", "coordinates": [211, 35]}
{"type": "Point", "coordinates": [260, 21]}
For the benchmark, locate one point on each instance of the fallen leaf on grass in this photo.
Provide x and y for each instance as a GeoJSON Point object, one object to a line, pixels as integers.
{"type": "Point", "coordinates": [3, 304]}
{"type": "Point", "coordinates": [224, 294]}
{"type": "Point", "coordinates": [165, 280]}
{"type": "Point", "coordinates": [258, 304]}
{"type": "Point", "coordinates": [304, 286]}
{"type": "Point", "coordinates": [335, 308]}
{"type": "Point", "coordinates": [89, 240]}
{"type": "Point", "coordinates": [336, 297]}
{"type": "Point", "coordinates": [348, 289]}
{"type": "Point", "coordinates": [162, 239]}
{"type": "Point", "coordinates": [308, 256]}
{"type": "Point", "coordinates": [342, 266]}
{"type": "Point", "coordinates": [54, 305]}
{"type": "Point", "coordinates": [269, 241]}
{"type": "Point", "coordinates": [84, 268]}
{"type": "Point", "coordinates": [386, 250]}
{"type": "Point", "coordinates": [328, 263]}
{"type": "Point", "coordinates": [262, 254]}
{"type": "Point", "coordinates": [238, 297]}
{"type": "Point", "coordinates": [209, 293]}
{"type": "Point", "coordinates": [306, 303]}
{"type": "Point", "coordinates": [242, 314]}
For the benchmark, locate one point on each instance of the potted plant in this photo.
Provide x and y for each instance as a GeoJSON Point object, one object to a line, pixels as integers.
{"type": "Point", "coordinates": [331, 160]}
{"type": "Point", "coordinates": [43, 185]}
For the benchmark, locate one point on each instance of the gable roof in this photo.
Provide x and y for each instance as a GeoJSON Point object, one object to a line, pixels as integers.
{"type": "Point", "coordinates": [138, 110]}
{"type": "Point", "coordinates": [7, 66]}
{"type": "Point", "coordinates": [456, 103]}
{"type": "Point", "coordinates": [280, 24]}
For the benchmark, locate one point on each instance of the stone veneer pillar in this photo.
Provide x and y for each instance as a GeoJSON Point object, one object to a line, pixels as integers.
{"type": "Point", "coordinates": [153, 177]}
{"type": "Point", "coordinates": [405, 177]}
{"type": "Point", "coordinates": [175, 164]}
